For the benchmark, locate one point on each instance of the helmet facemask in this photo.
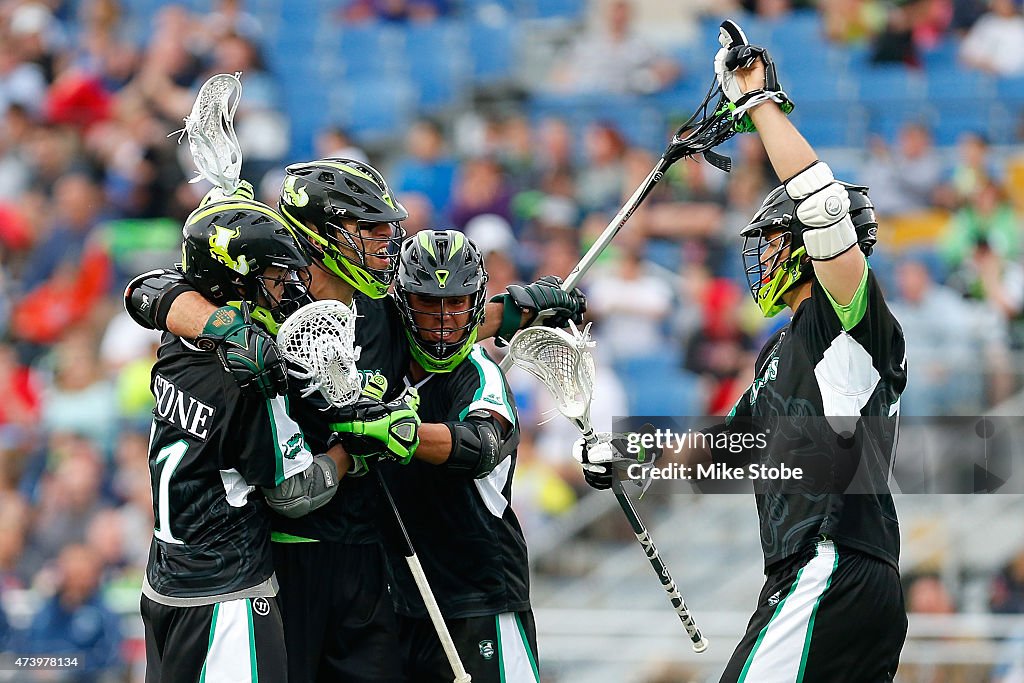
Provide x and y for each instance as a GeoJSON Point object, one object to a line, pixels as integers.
{"type": "Point", "coordinates": [341, 241]}
{"type": "Point", "coordinates": [772, 269]}
{"type": "Point", "coordinates": [442, 331]}
{"type": "Point", "coordinates": [294, 288]}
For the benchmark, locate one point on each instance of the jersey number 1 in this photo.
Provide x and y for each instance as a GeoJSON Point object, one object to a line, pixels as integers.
{"type": "Point", "coordinates": [171, 457]}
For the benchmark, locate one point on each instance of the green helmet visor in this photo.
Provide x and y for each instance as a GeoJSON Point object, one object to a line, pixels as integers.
{"type": "Point", "coordinates": [770, 267]}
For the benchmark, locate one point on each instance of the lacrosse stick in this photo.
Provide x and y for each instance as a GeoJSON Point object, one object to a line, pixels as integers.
{"type": "Point", "coordinates": [319, 339]}
{"type": "Point", "coordinates": [710, 126]}
{"type": "Point", "coordinates": [211, 132]}
{"type": "Point", "coordinates": [561, 360]}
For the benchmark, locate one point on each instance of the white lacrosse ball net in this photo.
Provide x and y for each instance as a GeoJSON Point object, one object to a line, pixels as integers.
{"type": "Point", "coordinates": [562, 361]}
{"type": "Point", "coordinates": [319, 339]}
{"type": "Point", "coordinates": [211, 132]}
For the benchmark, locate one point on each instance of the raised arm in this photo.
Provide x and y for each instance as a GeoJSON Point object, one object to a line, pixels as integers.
{"type": "Point", "coordinates": [822, 204]}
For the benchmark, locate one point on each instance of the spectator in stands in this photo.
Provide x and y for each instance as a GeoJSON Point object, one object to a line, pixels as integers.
{"type": "Point", "coordinates": [426, 166]}
{"type": "Point", "coordinates": [77, 397]}
{"type": "Point", "coordinates": [950, 343]}
{"type": "Point", "coordinates": [14, 512]}
{"type": "Point", "coordinates": [76, 621]}
{"type": "Point", "coordinates": [989, 219]}
{"type": "Point", "coordinates": [70, 496]}
{"type": "Point", "coordinates": [21, 401]}
{"type": "Point", "coordinates": [22, 83]}
{"type": "Point", "coordinates": [612, 58]}
{"type": "Point", "coordinates": [630, 306]}
{"type": "Point", "coordinates": [971, 172]}
{"type": "Point", "coordinates": [599, 186]}
{"type": "Point", "coordinates": [995, 44]}
{"type": "Point", "coordinates": [1006, 591]}
{"type": "Point", "coordinates": [852, 22]}
{"type": "Point", "coordinates": [334, 141]}
{"type": "Point", "coordinates": [395, 11]}
{"type": "Point", "coordinates": [904, 180]}
{"type": "Point", "coordinates": [480, 188]}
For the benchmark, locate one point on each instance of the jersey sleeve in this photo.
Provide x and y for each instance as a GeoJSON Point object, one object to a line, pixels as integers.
{"type": "Point", "coordinates": [271, 446]}
{"type": "Point", "coordinates": [481, 386]}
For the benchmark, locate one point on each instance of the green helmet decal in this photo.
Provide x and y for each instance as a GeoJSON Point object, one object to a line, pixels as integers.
{"type": "Point", "coordinates": [219, 241]}
{"type": "Point", "coordinates": [440, 293]}
{"type": "Point", "coordinates": [227, 248]}
{"type": "Point", "coordinates": [337, 206]}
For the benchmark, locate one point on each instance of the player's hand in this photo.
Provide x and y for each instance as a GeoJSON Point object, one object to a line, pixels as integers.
{"type": "Point", "coordinates": [748, 78]}
{"type": "Point", "coordinates": [245, 350]}
{"type": "Point", "coordinates": [599, 459]}
{"type": "Point", "coordinates": [244, 191]}
{"type": "Point", "coordinates": [543, 297]}
{"type": "Point", "coordinates": [370, 429]}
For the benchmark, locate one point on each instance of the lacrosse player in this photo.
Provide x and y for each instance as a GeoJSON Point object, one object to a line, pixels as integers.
{"type": "Point", "coordinates": [209, 604]}
{"type": "Point", "coordinates": [456, 493]}
{"type": "Point", "coordinates": [349, 224]}
{"type": "Point", "coordinates": [832, 607]}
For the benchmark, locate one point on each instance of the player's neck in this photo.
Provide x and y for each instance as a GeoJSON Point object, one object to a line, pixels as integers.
{"type": "Point", "coordinates": [323, 286]}
{"type": "Point", "coordinates": [796, 296]}
{"type": "Point", "coordinates": [416, 371]}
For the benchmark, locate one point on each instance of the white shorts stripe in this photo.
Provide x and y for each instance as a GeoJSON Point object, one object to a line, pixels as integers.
{"type": "Point", "coordinates": [514, 655]}
{"type": "Point", "coordinates": [780, 651]}
{"type": "Point", "coordinates": [232, 654]}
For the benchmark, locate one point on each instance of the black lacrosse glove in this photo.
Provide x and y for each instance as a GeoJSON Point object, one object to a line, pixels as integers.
{"type": "Point", "coordinates": [544, 297]}
{"type": "Point", "coordinates": [369, 429]}
{"type": "Point", "coordinates": [599, 460]}
{"type": "Point", "coordinates": [245, 350]}
{"type": "Point", "coordinates": [727, 61]}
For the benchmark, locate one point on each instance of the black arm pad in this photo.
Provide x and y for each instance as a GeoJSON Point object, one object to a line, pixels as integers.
{"type": "Point", "coordinates": [478, 445]}
{"type": "Point", "coordinates": [148, 297]}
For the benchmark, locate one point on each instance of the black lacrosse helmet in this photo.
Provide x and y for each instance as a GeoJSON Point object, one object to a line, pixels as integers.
{"type": "Point", "coordinates": [226, 250]}
{"type": "Point", "coordinates": [441, 264]}
{"type": "Point", "coordinates": [776, 226]}
{"type": "Point", "coordinates": [318, 195]}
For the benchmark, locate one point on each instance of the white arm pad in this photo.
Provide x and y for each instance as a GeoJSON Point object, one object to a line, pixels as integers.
{"type": "Point", "coordinates": [823, 206]}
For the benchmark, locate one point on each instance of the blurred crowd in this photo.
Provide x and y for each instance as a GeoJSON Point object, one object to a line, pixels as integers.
{"type": "Point", "coordinates": [92, 191]}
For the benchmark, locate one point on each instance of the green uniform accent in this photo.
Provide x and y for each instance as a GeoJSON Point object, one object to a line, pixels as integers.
{"type": "Point", "coordinates": [853, 312]}
{"type": "Point", "coordinates": [282, 537]}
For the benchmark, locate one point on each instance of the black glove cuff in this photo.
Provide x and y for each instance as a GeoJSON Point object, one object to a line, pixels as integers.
{"type": "Point", "coordinates": [511, 319]}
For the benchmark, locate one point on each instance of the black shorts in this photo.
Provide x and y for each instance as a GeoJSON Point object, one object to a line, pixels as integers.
{"type": "Point", "coordinates": [339, 622]}
{"type": "Point", "coordinates": [495, 649]}
{"type": "Point", "coordinates": [836, 616]}
{"type": "Point", "coordinates": [238, 640]}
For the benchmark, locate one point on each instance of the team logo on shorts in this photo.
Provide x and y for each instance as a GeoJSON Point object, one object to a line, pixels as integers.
{"type": "Point", "coordinates": [261, 606]}
{"type": "Point", "coordinates": [774, 600]}
{"type": "Point", "coordinates": [487, 649]}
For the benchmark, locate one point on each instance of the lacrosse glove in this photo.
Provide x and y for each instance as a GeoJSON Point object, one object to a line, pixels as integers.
{"type": "Point", "coordinates": [599, 460]}
{"type": "Point", "coordinates": [727, 61]}
{"type": "Point", "coordinates": [369, 429]}
{"type": "Point", "coordinates": [542, 297]}
{"type": "Point", "coordinates": [246, 351]}
{"type": "Point", "coordinates": [244, 191]}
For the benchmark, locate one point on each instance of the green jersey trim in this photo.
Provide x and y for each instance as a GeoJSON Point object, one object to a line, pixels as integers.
{"type": "Point", "coordinates": [853, 312]}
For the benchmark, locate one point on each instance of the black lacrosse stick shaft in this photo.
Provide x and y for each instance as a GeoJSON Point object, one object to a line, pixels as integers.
{"type": "Point", "coordinates": [674, 596]}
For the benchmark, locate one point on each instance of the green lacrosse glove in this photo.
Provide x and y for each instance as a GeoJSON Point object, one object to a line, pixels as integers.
{"type": "Point", "coordinates": [244, 191]}
{"type": "Point", "coordinates": [370, 428]}
{"type": "Point", "coordinates": [246, 351]}
{"type": "Point", "coordinates": [544, 296]}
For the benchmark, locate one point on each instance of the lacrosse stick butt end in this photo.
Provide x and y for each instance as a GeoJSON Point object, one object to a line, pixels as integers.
{"type": "Point", "coordinates": [463, 679]}
{"type": "Point", "coordinates": [700, 645]}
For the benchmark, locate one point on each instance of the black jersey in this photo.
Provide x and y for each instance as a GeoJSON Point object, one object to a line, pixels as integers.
{"type": "Point", "coordinates": [466, 534]}
{"type": "Point", "coordinates": [211, 446]}
{"type": "Point", "coordinates": [826, 395]}
{"type": "Point", "coordinates": [349, 517]}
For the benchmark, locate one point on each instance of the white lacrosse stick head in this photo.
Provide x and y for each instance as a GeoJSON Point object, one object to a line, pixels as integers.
{"type": "Point", "coordinates": [562, 361]}
{"type": "Point", "coordinates": [319, 338]}
{"type": "Point", "coordinates": [211, 132]}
